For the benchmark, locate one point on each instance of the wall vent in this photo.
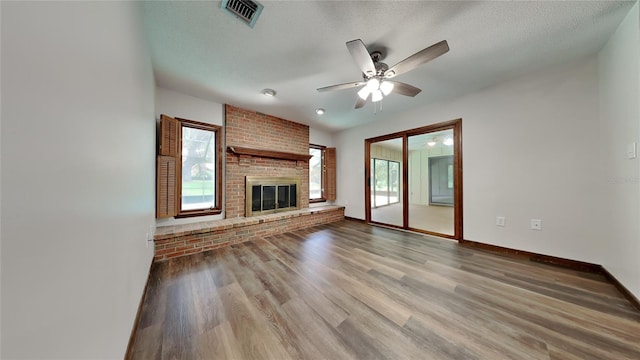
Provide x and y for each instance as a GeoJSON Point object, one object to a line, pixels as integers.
{"type": "Point", "coordinates": [246, 10]}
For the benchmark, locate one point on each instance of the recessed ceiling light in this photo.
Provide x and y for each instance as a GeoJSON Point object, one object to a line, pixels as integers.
{"type": "Point", "coordinates": [269, 92]}
{"type": "Point", "coordinates": [319, 111]}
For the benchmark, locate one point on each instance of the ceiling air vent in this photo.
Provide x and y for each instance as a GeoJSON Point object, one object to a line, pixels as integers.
{"type": "Point", "coordinates": [247, 10]}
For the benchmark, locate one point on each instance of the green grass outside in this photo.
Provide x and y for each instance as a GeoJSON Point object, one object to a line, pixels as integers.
{"type": "Point", "coordinates": [197, 187]}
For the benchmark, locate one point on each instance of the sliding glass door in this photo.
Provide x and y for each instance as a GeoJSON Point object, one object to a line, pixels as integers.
{"type": "Point", "coordinates": [386, 178]}
{"type": "Point", "coordinates": [413, 182]}
{"type": "Point", "coordinates": [431, 182]}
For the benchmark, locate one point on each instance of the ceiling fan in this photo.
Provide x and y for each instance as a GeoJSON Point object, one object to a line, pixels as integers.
{"type": "Point", "coordinates": [376, 75]}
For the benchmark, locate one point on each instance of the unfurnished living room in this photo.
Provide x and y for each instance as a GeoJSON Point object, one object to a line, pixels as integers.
{"type": "Point", "coordinates": [245, 179]}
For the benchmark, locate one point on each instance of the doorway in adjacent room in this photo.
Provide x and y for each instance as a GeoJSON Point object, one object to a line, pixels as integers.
{"type": "Point", "coordinates": [413, 180]}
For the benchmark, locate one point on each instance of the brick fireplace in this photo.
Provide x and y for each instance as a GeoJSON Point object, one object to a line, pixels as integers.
{"type": "Point", "coordinates": [253, 130]}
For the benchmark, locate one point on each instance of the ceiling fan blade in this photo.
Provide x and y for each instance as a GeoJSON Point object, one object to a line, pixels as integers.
{"type": "Point", "coordinates": [360, 103]}
{"type": "Point", "coordinates": [350, 85]}
{"type": "Point", "coordinates": [418, 59]}
{"type": "Point", "coordinates": [404, 89]}
{"type": "Point", "coordinates": [361, 55]}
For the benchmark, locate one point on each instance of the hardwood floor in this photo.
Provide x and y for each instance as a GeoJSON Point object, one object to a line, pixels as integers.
{"type": "Point", "coordinates": [352, 291]}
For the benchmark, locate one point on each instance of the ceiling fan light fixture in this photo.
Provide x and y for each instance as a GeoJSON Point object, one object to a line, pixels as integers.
{"type": "Point", "coordinates": [432, 143]}
{"type": "Point", "coordinates": [364, 93]}
{"type": "Point", "coordinates": [373, 84]}
{"type": "Point", "coordinates": [319, 111]}
{"type": "Point", "coordinates": [376, 96]}
{"type": "Point", "coordinates": [448, 141]}
{"type": "Point", "coordinates": [386, 87]}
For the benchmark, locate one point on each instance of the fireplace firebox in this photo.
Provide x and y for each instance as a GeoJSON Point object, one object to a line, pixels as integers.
{"type": "Point", "coordinates": [266, 195]}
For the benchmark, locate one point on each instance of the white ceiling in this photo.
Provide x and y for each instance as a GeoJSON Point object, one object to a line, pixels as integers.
{"type": "Point", "coordinates": [299, 46]}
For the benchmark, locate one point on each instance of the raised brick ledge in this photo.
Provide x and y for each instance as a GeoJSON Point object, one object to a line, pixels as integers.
{"type": "Point", "coordinates": [166, 232]}
{"type": "Point", "coordinates": [182, 240]}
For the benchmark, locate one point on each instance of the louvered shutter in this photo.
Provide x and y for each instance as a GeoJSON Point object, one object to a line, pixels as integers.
{"type": "Point", "coordinates": [330, 173]}
{"type": "Point", "coordinates": [167, 168]}
{"type": "Point", "coordinates": [169, 140]}
{"type": "Point", "coordinates": [167, 196]}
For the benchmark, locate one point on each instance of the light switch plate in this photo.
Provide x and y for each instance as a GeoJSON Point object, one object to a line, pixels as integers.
{"type": "Point", "coordinates": [500, 221]}
{"type": "Point", "coordinates": [632, 150]}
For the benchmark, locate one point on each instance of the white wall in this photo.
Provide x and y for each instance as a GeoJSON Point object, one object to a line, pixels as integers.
{"type": "Point", "coordinates": [530, 150]}
{"type": "Point", "coordinates": [319, 137]}
{"type": "Point", "coordinates": [78, 138]}
{"type": "Point", "coordinates": [619, 63]}
{"type": "Point", "coordinates": [176, 104]}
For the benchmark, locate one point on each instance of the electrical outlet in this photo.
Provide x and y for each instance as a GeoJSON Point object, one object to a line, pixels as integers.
{"type": "Point", "coordinates": [536, 224]}
{"type": "Point", "coordinates": [500, 221]}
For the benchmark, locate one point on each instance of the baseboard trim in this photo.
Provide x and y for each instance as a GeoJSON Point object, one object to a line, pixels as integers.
{"type": "Point", "coordinates": [623, 289]}
{"type": "Point", "coordinates": [128, 355]}
{"type": "Point", "coordinates": [545, 259]}
{"type": "Point", "coordinates": [557, 261]}
{"type": "Point", "coordinates": [355, 219]}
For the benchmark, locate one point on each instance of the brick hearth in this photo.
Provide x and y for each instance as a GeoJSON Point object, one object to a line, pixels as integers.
{"type": "Point", "coordinates": [181, 240]}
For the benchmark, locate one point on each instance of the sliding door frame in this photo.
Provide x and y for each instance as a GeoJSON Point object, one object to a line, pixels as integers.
{"type": "Point", "coordinates": [456, 126]}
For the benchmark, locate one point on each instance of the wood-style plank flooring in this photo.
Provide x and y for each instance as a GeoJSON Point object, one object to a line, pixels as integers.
{"type": "Point", "coordinates": [352, 291]}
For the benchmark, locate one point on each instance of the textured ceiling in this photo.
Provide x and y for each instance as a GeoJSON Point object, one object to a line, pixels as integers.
{"type": "Point", "coordinates": [299, 46]}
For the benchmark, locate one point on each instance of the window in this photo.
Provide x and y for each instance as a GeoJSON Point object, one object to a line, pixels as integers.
{"type": "Point", "coordinates": [189, 169]}
{"type": "Point", "coordinates": [322, 173]}
{"type": "Point", "coordinates": [316, 170]}
{"type": "Point", "coordinates": [386, 182]}
{"type": "Point", "coordinates": [198, 175]}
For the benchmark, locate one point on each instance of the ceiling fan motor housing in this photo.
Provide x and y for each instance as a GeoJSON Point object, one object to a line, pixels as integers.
{"type": "Point", "coordinates": [381, 67]}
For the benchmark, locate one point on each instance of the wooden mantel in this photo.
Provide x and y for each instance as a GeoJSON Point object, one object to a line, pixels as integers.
{"type": "Point", "coordinates": [237, 150]}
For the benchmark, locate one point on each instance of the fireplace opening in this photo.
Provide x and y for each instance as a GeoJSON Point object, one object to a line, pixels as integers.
{"type": "Point", "coordinates": [267, 195]}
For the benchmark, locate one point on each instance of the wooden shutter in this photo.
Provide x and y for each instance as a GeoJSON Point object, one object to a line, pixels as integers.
{"type": "Point", "coordinates": [169, 136]}
{"type": "Point", "coordinates": [167, 168]}
{"type": "Point", "coordinates": [167, 189]}
{"type": "Point", "coordinates": [330, 173]}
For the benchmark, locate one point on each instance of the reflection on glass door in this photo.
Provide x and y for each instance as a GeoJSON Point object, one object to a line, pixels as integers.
{"type": "Point", "coordinates": [441, 180]}
{"type": "Point", "coordinates": [431, 182]}
{"type": "Point", "coordinates": [385, 179]}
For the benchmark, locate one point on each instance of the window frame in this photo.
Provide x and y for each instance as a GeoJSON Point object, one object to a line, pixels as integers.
{"type": "Point", "coordinates": [323, 177]}
{"type": "Point", "coordinates": [217, 208]}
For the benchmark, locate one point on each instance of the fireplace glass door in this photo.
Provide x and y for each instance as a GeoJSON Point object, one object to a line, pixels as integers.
{"type": "Point", "coordinates": [267, 195]}
{"type": "Point", "coordinates": [268, 198]}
